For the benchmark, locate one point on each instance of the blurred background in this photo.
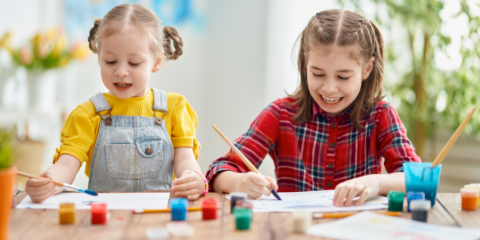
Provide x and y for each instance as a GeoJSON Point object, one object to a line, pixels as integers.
{"type": "Point", "coordinates": [239, 56]}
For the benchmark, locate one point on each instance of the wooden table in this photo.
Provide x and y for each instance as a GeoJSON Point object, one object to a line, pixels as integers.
{"type": "Point", "coordinates": [123, 224]}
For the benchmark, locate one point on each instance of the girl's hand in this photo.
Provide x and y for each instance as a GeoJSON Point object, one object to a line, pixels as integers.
{"type": "Point", "coordinates": [40, 189]}
{"type": "Point", "coordinates": [190, 185]}
{"type": "Point", "coordinates": [363, 187]}
{"type": "Point", "coordinates": [255, 185]}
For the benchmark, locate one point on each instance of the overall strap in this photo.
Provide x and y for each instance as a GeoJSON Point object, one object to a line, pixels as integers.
{"type": "Point", "coordinates": [100, 102]}
{"type": "Point", "coordinates": [159, 100]}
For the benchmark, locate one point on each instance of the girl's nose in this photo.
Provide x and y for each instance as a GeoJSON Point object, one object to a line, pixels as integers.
{"type": "Point", "coordinates": [329, 87]}
{"type": "Point", "coordinates": [121, 72]}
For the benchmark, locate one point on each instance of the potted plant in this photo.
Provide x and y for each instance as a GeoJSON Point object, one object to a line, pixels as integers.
{"type": "Point", "coordinates": [7, 181]}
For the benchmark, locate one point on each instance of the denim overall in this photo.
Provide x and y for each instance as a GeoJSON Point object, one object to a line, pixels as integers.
{"type": "Point", "coordinates": [132, 154]}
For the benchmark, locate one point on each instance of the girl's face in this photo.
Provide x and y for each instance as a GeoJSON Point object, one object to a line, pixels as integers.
{"type": "Point", "coordinates": [126, 63]}
{"type": "Point", "coordinates": [334, 79]}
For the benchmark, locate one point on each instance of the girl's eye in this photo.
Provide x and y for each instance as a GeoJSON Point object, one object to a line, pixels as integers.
{"type": "Point", "coordinates": [112, 62]}
{"type": "Point", "coordinates": [343, 78]}
{"type": "Point", "coordinates": [134, 64]}
{"type": "Point", "coordinates": [318, 75]}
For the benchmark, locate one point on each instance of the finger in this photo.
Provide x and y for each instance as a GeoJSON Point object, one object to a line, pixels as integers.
{"type": "Point", "coordinates": [193, 197]}
{"type": "Point", "coordinates": [36, 191]}
{"type": "Point", "coordinates": [259, 180]}
{"type": "Point", "coordinates": [343, 191]}
{"type": "Point", "coordinates": [186, 193]}
{"type": "Point", "coordinates": [253, 195]}
{"type": "Point", "coordinates": [36, 182]}
{"type": "Point", "coordinates": [273, 183]}
{"type": "Point", "coordinates": [185, 187]}
{"type": "Point", "coordinates": [260, 190]}
{"type": "Point", "coordinates": [185, 179]}
{"type": "Point", "coordinates": [363, 196]}
{"type": "Point", "coordinates": [354, 191]}
{"type": "Point", "coordinates": [43, 197]}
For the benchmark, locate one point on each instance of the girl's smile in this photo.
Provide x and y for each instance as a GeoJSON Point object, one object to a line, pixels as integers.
{"type": "Point", "coordinates": [122, 86]}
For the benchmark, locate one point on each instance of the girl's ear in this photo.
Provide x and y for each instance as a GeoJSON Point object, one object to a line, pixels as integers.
{"type": "Point", "coordinates": [368, 68]}
{"type": "Point", "coordinates": [158, 62]}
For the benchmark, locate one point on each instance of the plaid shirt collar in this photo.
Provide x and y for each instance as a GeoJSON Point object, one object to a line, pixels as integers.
{"type": "Point", "coordinates": [318, 110]}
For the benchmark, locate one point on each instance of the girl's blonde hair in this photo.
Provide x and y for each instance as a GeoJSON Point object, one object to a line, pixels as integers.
{"type": "Point", "coordinates": [143, 20]}
{"type": "Point", "coordinates": [339, 28]}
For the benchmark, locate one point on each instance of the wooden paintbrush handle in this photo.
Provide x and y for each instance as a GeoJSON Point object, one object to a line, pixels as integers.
{"type": "Point", "coordinates": [38, 177]}
{"type": "Point", "coordinates": [235, 149]}
{"type": "Point", "coordinates": [452, 140]}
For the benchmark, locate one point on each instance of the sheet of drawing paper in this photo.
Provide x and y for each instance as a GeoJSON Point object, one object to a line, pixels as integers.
{"type": "Point", "coordinates": [372, 226]}
{"type": "Point", "coordinates": [114, 201]}
{"type": "Point", "coordinates": [315, 201]}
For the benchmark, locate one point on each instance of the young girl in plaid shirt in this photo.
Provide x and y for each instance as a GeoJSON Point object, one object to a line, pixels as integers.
{"type": "Point", "coordinates": [333, 132]}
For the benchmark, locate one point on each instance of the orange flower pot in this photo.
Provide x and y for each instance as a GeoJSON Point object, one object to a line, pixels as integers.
{"type": "Point", "coordinates": [7, 181]}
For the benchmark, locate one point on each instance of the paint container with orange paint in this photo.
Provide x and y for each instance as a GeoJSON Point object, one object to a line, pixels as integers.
{"type": "Point", "coordinates": [66, 213]}
{"type": "Point", "coordinates": [469, 199]}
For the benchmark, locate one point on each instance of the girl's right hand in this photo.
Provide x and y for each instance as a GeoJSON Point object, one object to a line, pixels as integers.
{"type": "Point", "coordinates": [256, 185]}
{"type": "Point", "coordinates": [40, 189]}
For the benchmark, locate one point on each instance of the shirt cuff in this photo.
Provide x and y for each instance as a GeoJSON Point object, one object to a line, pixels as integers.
{"type": "Point", "coordinates": [218, 167]}
{"type": "Point", "coordinates": [80, 155]}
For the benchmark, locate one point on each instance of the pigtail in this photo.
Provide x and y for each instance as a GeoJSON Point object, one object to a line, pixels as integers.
{"type": "Point", "coordinates": [93, 35]}
{"type": "Point", "coordinates": [171, 34]}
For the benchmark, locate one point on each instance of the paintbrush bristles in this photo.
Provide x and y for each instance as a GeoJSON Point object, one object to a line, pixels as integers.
{"type": "Point", "coordinates": [235, 149]}
{"type": "Point", "coordinates": [452, 140]}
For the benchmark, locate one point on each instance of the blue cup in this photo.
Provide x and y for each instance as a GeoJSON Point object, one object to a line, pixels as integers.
{"type": "Point", "coordinates": [420, 177]}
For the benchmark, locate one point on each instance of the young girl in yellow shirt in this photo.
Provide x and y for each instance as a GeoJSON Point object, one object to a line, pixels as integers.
{"type": "Point", "coordinates": [133, 137]}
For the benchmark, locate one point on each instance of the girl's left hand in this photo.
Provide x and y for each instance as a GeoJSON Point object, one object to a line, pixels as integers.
{"type": "Point", "coordinates": [362, 187]}
{"type": "Point", "coordinates": [190, 185]}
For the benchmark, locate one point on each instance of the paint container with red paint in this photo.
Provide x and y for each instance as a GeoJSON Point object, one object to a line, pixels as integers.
{"type": "Point", "coordinates": [99, 213]}
{"type": "Point", "coordinates": [209, 208]}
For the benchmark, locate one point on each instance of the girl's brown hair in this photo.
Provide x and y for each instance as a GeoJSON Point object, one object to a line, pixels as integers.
{"type": "Point", "coordinates": [143, 20]}
{"type": "Point", "coordinates": [339, 28]}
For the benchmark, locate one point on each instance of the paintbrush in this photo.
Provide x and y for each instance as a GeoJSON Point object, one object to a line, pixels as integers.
{"type": "Point", "coordinates": [244, 159]}
{"type": "Point", "coordinates": [65, 185]}
{"type": "Point", "coordinates": [452, 140]}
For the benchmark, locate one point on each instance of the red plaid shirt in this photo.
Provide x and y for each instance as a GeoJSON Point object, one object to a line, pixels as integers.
{"type": "Point", "coordinates": [320, 154]}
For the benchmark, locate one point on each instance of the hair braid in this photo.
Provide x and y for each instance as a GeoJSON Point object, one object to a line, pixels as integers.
{"type": "Point", "coordinates": [172, 34]}
{"type": "Point", "coordinates": [93, 35]}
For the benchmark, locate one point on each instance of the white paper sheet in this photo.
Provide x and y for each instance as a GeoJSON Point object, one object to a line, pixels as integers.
{"type": "Point", "coordinates": [315, 201]}
{"type": "Point", "coordinates": [114, 201]}
{"type": "Point", "coordinates": [372, 226]}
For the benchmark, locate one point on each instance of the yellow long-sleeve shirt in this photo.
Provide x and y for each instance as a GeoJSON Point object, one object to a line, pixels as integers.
{"type": "Point", "coordinates": [79, 133]}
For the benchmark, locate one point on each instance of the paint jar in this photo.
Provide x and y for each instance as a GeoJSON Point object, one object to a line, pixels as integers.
{"type": "Point", "coordinates": [99, 213]}
{"type": "Point", "coordinates": [395, 201]}
{"type": "Point", "coordinates": [178, 208]}
{"type": "Point", "coordinates": [66, 213]}
{"type": "Point", "coordinates": [209, 208]}
{"type": "Point", "coordinates": [234, 196]}
{"type": "Point", "coordinates": [243, 217]}
{"type": "Point", "coordinates": [301, 221]}
{"type": "Point", "coordinates": [420, 177]}
{"type": "Point", "coordinates": [469, 199]}
{"type": "Point", "coordinates": [420, 208]}
{"type": "Point", "coordinates": [475, 186]}
{"type": "Point", "coordinates": [414, 196]}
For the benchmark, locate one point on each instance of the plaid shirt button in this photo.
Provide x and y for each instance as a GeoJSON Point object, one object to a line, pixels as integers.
{"type": "Point", "coordinates": [332, 144]}
{"type": "Point", "coordinates": [330, 165]}
{"type": "Point", "coordinates": [329, 184]}
{"type": "Point", "coordinates": [334, 125]}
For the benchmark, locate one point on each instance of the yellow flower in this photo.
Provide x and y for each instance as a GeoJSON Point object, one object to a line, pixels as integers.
{"type": "Point", "coordinates": [5, 41]}
{"type": "Point", "coordinates": [51, 34]}
{"type": "Point", "coordinates": [59, 45]}
{"type": "Point", "coordinates": [63, 61]}
{"type": "Point", "coordinates": [79, 50]}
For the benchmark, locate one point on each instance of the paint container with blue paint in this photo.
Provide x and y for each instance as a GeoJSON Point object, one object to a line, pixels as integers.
{"type": "Point", "coordinates": [414, 196]}
{"type": "Point", "coordinates": [178, 207]}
